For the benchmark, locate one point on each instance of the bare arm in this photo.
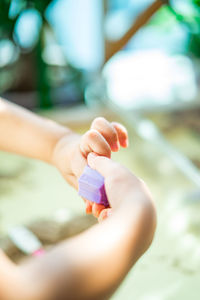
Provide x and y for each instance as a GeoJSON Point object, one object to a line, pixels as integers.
{"type": "Point", "coordinates": [25, 133]}
{"type": "Point", "coordinates": [92, 265]}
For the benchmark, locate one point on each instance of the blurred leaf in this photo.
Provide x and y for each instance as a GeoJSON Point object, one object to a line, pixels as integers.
{"type": "Point", "coordinates": [194, 45]}
{"type": "Point", "coordinates": [197, 2]}
{"type": "Point", "coordinates": [16, 7]}
{"type": "Point", "coordinates": [40, 5]}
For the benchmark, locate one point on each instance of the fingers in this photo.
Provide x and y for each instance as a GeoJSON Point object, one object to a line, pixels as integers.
{"type": "Point", "coordinates": [114, 133]}
{"type": "Point", "coordinates": [96, 146]}
{"type": "Point", "coordinates": [104, 137]}
{"type": "Point", "coordinates": [108, 131]}
{"type": "Point", "coordinates": [103, 165]}
{"type": "Point", "coordinates": [96, 209]}
{"type": "Point", "coordinates": [122, 134]}
{"type": "Point", "coordinates": [106, 213]}
{"type": "Point", "coordinates": [99, 211]}
{"type": "Point", "coordinates": [93, 141]}
{"type": "Point", "coordinates": [88, 208]}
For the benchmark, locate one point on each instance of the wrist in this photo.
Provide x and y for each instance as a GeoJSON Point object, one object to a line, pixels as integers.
{"type": "Point", "coordinates": [54, 134]}
{"type": "Point", "coordinates": [63, 149]}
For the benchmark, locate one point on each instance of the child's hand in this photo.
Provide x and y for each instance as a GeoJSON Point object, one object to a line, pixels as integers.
{"type": "Point", "coordinates": [71, 151]}
{"type": "Point", "coordinates": [122, 187]}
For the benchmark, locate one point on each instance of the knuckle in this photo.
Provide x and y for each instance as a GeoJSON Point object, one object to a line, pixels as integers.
{"type": "Point", "coordinates": [98, 121]}
{"type": "Point", "coordinates": [104, 150]}
{"type": "Point", "coordinates": [120, 127]}
{"type": "Point", "coordinates": [92, 133]}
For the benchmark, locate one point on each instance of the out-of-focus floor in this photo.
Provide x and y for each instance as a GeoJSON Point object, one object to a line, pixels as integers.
{"type": "Point", "coordinates": [170, 270]}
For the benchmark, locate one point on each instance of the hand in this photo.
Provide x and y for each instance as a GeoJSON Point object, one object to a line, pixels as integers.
{"type": "Point", "coordinates": [71, 151]}
{"type": "Point", "coordinates": [120, 184]}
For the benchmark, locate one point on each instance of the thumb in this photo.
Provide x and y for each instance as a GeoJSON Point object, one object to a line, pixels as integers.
{"type": "Point", "coordinates": [105, 166]}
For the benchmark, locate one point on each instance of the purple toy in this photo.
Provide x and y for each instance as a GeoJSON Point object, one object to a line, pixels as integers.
{"type": "Point", "coordinates": [91, 186]}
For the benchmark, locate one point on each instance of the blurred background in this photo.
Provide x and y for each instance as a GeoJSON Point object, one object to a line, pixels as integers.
{"type": "Point", "coordinates": [136, 61]}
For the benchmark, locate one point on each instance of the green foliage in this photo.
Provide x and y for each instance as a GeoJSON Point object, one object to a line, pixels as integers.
{"type": "Point", "coordinates": [10, 12]}
{"type": "Point", "coordinates": [163, 18]}
{"type": "Point", "coordinates": [190, 19]}
{"type": "Point", "coordinates": [197, 2]}
{"type": "Point", "coordinates": [7, 22]}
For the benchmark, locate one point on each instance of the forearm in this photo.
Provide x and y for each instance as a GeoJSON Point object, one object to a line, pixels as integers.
{"type": "Point", "coordinates": [25, 133]}
{"type": "Point", "coordinates": [11, 276]}
{"type": "Point", "coordinates": [92, 265]}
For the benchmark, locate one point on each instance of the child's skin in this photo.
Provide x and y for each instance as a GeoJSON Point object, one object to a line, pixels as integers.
{"type": "Point", "coordinates": [91, 265]}
{"type": "Point", "coordinates": [27, 134]}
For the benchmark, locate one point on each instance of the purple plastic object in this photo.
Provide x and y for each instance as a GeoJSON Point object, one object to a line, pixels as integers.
{"type": "Point", "coordinates": [91, 186]}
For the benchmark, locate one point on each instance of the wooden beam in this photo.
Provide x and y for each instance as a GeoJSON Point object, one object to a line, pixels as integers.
{"type": "Point", "coordinates": [112, 48]}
